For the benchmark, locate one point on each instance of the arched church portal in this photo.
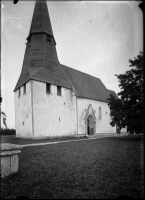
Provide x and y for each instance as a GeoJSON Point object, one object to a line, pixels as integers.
{"type": "Point", "coordinates": [90, 121]}
{"type": "Point", "coordinates": [90, 125]}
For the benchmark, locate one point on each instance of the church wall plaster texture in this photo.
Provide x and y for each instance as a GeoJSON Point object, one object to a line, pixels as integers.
{"type": "Point", "coordinates": [56, 115]}
{"type": "Point", "coordinates": [53, 115]}
{"type": "Point", "coordinates": [23, 112]}
{"type": "Point", "coordinates": [103, 125]}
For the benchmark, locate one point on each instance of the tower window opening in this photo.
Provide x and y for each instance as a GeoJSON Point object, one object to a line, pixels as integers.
{"type": "Point", "coordinates": [28, 41]}
{"type": "Point", "coordinates": [48, 38]}
{"type": "Point", "coordinates": [48, 86]}
{"type": "Point", "coordinates": [24, 92]}
{"type": "Point", "coordinates": [59, 90]}
{"type": "Point", "coordinates": [19, 92]}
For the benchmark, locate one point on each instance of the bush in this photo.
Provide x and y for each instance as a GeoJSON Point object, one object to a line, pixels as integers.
{"type": "Point", "coordinates": [7, 131]}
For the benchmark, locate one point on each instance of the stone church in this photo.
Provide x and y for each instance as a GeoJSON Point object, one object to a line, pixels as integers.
{"type": "Point", "coordinates": [51, 99]}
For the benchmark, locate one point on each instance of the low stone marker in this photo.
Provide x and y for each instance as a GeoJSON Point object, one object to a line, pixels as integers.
{"type": "Point", "coordinates": [9, 158]}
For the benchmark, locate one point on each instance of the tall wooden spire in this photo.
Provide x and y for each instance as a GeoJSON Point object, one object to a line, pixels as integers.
{"type": "Point", "coordinates": [41, 20]}
{"type": "Point", "coordinates": [40, 59]}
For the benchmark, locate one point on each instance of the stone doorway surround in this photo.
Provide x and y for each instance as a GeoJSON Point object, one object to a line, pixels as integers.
{"type": "Point", "coordinates": [89, 112]}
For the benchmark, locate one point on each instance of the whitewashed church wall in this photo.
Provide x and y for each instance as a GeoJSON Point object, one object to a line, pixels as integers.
{"type": "Point", "coordinates": [53, 115]}
{"type": "Point", "coordinates": [102, 125]}
{"type": "Point", "coordinates": [23, 112]}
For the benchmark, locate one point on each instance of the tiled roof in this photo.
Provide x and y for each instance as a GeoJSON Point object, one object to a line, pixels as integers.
{"type": "Point", "coordinates": [54, 75]}
{"type": "Point", "coordinates": [87, 86]}
{"type": "Point", "coordinates": [84, 85]}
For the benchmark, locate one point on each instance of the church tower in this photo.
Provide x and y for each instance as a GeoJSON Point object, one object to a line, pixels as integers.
{"type": "Point", "coordinates": [51, 99]}
{"type": "Point", "coordinates": [41, 83]}
{"type": "Point", "coordinates": [40, 59]}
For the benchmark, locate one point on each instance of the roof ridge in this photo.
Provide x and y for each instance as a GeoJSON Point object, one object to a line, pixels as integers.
{"type": "Point", "coordinates": [36, 72]}
{"type": "Point", "coordinates": [69, 80]}
{"type": "Point", "coordinates": [23, 81]}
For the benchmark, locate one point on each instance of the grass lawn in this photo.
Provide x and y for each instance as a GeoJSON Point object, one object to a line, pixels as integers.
{"type": "Point", "coordinates": [12, 139]}
{"type": "Point", "coordinates": [101, 168]}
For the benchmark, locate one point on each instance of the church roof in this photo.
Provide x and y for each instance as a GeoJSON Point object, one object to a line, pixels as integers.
{"type": "Point", "coordinates": [84, 85]}
{"type": "Point", "coordinates": [41, 61]}
{"type": "Point", "coordinates": [87, 86]}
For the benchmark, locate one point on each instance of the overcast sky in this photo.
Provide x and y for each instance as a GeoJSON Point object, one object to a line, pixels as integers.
{"type": "Point", "coordinates": [95, 37]}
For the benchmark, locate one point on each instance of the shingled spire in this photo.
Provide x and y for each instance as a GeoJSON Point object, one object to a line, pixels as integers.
{"type": "Point", "coordinates": [40, 60]}
{"type": "Point", "coordinates": [41, 20]}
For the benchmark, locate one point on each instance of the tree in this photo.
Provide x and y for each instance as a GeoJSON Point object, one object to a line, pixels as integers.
{"type": "Point", "coordinates": [4, 119]}
{"type": "Point", "coordinates": [128, 109]}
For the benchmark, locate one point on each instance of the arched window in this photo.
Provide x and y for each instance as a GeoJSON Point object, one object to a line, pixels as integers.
{"type": "Point", "coordinates": [100, 113]}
